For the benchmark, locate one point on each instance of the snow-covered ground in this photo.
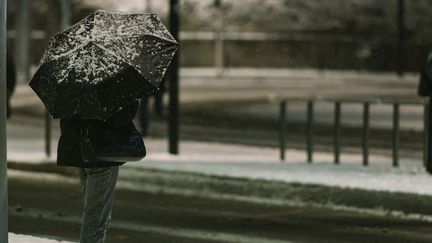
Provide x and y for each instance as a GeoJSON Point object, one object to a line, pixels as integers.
{"type": "Point", "coordinates": [17, 238]}
{"type": "Point", "coordinates": [262, 163]}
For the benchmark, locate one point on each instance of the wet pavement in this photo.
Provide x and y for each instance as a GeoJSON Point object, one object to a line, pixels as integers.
{"type": "Point", "coordinates": [163, 215]}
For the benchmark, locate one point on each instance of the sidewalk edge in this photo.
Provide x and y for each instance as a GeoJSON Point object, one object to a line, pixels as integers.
{"type": "Point", "coordinates": [385, 203]}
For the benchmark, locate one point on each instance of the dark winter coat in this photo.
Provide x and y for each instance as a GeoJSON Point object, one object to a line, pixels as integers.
{"type": "Point", "coordinates": [425, 82]}
{"type": "Point", "coordinates": [69, 150]}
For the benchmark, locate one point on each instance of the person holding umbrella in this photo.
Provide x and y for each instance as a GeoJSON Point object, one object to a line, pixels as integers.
{"type": "Point", "coordinates": [91, 77]}
{"type": "Point", "coordinates": [98, 176]}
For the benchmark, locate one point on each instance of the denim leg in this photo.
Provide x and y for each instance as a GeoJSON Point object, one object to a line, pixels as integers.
{"type": "Point", "coordinates": [99, 185]}
{"type": "Point", "coordinates": [82, 173]}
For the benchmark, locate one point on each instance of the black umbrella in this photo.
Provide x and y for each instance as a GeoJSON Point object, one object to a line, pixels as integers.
{"type": "Point", "coordinates": [103, 63]}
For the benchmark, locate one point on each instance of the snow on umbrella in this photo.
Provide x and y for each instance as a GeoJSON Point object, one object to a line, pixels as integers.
{"type": "Point", "coordinates": [103, 63]}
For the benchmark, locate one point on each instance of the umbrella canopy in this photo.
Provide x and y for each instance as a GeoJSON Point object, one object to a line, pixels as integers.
{"type": "Point", "coordinates": [103, 63]}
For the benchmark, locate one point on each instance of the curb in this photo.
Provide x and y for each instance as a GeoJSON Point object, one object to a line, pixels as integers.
{"type": "Point", "coordinates": [404, 205]}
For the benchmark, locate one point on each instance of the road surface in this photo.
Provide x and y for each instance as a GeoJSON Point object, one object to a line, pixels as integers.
{"type": "Point", "coordinates": [53, 209]}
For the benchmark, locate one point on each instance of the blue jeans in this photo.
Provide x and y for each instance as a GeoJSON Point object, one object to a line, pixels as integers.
{"type": "Point", "coordinates": [99, 184]}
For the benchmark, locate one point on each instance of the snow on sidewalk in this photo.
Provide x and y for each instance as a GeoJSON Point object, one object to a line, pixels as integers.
{"type": "Point", "coordinates": [263, 163]}
{"type": "Point", "coordinates": [18, 238]}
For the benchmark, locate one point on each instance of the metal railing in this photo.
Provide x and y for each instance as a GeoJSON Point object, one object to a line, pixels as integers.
{"type": "Point", "coordinates": [366, 102]}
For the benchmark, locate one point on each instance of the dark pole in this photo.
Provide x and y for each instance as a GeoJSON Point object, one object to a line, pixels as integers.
{"type": "Point", "coordinates": [3, 163]}
{"type": "Point", "coordinates": [23, 40]}
{"type": "Point", "coordinates": [426, 133]}
{"type": "Point", "coordinates": [395, 139]}
{"type": "Point", "coordinates": [66, 14]}
{"type": "Point", "coordinates": [429, 136]}
{"type": "Point", "coordinates": [337, 133]}
{"type": "Point", "coordinates": [173, 126]}
{"type": "Point", "coordinates": [65, 22]}
{"type": "Point", "coordinates": [365, 140]}
{"type": "Point", "coordinates": [310, 131]}
{"type": "Point", "coordinates": [282, 129]}
{"type": "Point", "coordinates": [401, 37]}
{"type": "Point", "coordinates": [48, 123]}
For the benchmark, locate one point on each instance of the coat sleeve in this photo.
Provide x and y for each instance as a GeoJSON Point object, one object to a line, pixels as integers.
{"type": "Point", "coordinates": [424, 88]}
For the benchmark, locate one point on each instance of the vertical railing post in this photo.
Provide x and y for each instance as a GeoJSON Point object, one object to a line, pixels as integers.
{"type": "Point", "coordinates": [48, 122]}
{"type": "Point", "coordinates": [429, 137]}
{"type": "Point", "coordinates": [395, 137]}
{"type": "Point", "coordinates": [425, 132]}
{"type": "Point", "coordinates": [282, 130]}
{"type": "Point", "coordinates": [336, 141]}
{"type": "Point", "coordinates": [310, 132]}
{"type": "Point", "coordinates": [3, 157]}
{"type": "Point", "coordinates": [400, 19]}
{"type": "Point", "coordinates": [365, 140]}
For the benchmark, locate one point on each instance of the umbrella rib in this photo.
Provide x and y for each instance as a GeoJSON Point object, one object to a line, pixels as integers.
{"type": "Point", "coordinates": [121, 59]}
{"type": "Point", "coordinates": [68, 52]}
{"type": "Point", "coordinates": [164, 38]}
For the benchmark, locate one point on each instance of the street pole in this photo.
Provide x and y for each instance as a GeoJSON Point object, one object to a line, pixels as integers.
{"type": "Point", "coordinates": [65, 22]}
{"type": "Point", "coordinates": [23, 35]}
{"type": "Point", "coordinates": [3, 158]}
{"type": "Point", "coordinates": [429, 137]}
{"type": "Point", "coordinates": [149, 5]}
{"type": "Point", "coordinates": [173, 123]}
{"type": "Point", "coordinates": [66, 14]}
{"type": "Point", "coordinates": [401, 37]}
